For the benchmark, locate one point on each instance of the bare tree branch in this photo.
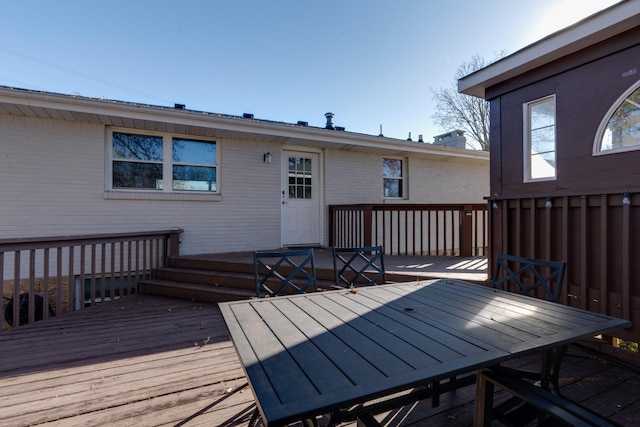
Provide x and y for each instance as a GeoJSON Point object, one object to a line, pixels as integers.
{"type": "Point", "coordinates": [468, 113]}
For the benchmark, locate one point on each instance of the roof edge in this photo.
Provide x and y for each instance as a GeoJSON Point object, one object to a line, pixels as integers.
{"type": "Point", "coordinates": [103, 107]}
{"type": "Point", "coordinates": [593, 29]}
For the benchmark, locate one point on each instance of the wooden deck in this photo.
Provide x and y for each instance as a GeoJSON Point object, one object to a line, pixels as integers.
{"type": "Point", "coordinates": [154, 361]}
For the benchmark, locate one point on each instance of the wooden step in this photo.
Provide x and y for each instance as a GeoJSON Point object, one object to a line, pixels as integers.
{"type": "Point", "coordinates": [194, 291]}
{"type": "Point", "coordinates": [232, 267]}
{"type": "Point", "coordinates": [224, 278]}
{"type": "Point", "coordinates": [213, 265]}
{"type": "Point", "coordinates": [217, 281]}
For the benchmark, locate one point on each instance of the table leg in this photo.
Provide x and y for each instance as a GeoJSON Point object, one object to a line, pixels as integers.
{"type": "Point", "coordinates": [550, 370]}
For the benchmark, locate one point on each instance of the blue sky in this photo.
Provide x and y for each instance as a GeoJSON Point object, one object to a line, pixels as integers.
{"type": "Point", "coordinates": [370, 62]}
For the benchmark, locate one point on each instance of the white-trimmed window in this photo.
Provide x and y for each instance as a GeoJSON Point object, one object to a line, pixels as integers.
{"type": "Point", "coordinates": [619, 131]}
{"type": "Point", "coordinates": [540, 139]}
{"type": "Point", "coordinates": [161, 162]}
{"type": "Point", "coordinates": [392, 177]}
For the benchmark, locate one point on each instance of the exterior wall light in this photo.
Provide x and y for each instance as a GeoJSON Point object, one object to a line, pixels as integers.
{"type": "Point", "coordinates": [626, 198]}
{"type": "Point", "coordinates": [267, 157]}
{"type": "Point", "coordinates": [547, 203]}
{"type": "Point", "coordinates": [494, 205]}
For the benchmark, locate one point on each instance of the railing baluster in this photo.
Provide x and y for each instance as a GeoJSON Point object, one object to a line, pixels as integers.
{"type": "Point", "coordinates": [144, 256]}
{"type": "Point", "coordinates": [112, 277]}
{"type": "Point", "coordinates": [71, 285]}
{"type": "Point", "coordinates": [16, 288]}
{"type": "Point", "coordinates": [32, 285]}
{"type": "Point", "coordinates": [121, 275]}
{"type": "Point", "coordinates": [59, 279]}
{"type": "Point", "coordinates": [137, 278]}
{"type": "Point", "coordinates": [93, 274]}
{"type": "Point", "coordinates": [103, 270]}
{"type": "Point", "coordinates": [129, 278]}
{"type": "Point", "coordinates": [81, 279]}
{"type": "Point", "coordinates": [47, 299]}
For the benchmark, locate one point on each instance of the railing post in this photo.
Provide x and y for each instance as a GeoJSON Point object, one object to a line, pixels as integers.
{"type": "Point", "coordinates": [367, 213]}
{"type": "Point", "coordinates": [174, 242]}
{"type": "Point", "coordinates": [466, 231]}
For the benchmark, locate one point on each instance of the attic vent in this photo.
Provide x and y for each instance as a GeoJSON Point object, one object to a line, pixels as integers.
{"type": "Point", "coordinates": [247, 115]}
{"type": "Point", "coordinates": [340, 128]}
{"type": "Point", "coordinates": [179, 106]}
{"type": "Point", "coordinates": [301, 123]}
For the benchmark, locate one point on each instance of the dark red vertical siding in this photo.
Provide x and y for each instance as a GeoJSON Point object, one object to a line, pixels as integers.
{"type": "Point", "coordinates": [587, 225]}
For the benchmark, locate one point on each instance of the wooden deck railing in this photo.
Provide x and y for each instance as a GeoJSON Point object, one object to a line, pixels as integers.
{"type": "Point", "coordinates": [403, 229]}
{"type": "Point", "coordinates": [49, 276]}
{"type": "Point", "coordinates": [598, 235]}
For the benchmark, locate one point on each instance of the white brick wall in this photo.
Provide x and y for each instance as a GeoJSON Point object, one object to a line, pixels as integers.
{"type": "Point", "coordinates": [52, 180]}
{"type": "Point", "coordinates": [356, 177]}
{"type": "Point", "coordinates": [52, 176]}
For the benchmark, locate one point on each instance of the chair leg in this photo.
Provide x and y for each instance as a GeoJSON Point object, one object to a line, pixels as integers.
{"type": "Point", "coordinates": [435, 394]}
{"type": "Point", "coordinates": [254, 418]}
{"type": "Point", "coordinates": [310, 422]}
{"type": "Point", "coordinates": [367, 420]}
{"type": "Point", "coordinates": [483, 412]}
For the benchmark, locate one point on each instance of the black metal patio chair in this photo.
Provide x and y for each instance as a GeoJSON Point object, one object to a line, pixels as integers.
{"type": "Point", "coordinates": [359, 266]}
{"type": "Point", "coordinates": [531, 277]}
{"type": "Point", "coordinates": [540, 279]}
{"type": "Point", "coordinates": [284, 272]}
{"type": "Point", "coordinates": [528, 276]}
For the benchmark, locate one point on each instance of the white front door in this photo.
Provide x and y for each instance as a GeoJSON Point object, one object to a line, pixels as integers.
{"type": "Point", "coordinates": [300, 198]}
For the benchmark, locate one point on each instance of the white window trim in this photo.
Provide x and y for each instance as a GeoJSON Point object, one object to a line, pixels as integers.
{"type": "Point", "coordinates": [526, 148]}
{"type": "Point", "coordinates": [167, 192]}
{"type": "Point", "coordinates": [605, 121]}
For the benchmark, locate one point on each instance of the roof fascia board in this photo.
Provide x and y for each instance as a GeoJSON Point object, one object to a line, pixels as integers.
{"type": "Point", "coordinates": [605, 24]}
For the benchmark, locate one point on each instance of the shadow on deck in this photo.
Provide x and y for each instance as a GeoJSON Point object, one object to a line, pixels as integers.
{"type": "Point", "coordinates": [154, 361]}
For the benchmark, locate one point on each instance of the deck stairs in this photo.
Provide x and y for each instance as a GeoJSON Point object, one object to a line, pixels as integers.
{"type": "Point", "coordinates": [219, 280]}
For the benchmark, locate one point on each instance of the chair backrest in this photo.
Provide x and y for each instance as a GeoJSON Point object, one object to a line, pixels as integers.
{"type": "Point", "coordinates": [526, 276]}
{"type": "Point", "coordinates": [284, 272]}
{"type": "Point", "coordinates": [359, 266]}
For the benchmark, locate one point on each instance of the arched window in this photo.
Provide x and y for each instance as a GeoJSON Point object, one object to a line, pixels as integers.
{"type": "Point", "coordinates": [620, 129]}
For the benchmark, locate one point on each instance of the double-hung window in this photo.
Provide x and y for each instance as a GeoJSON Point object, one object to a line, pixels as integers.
{"type": "Point", "coordinates": [163, 163]}
{"type": "Point", "coordinates": [392, 178]}
{"type": "Point", "coordinates": [540, 140]}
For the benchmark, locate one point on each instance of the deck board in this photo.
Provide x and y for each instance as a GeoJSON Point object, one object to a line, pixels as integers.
{"type": "Point", "coordinates": [154, 361]}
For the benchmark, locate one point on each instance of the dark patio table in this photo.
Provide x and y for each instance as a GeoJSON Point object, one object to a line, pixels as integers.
{"type": "Point", "coordinates": [312, 354]}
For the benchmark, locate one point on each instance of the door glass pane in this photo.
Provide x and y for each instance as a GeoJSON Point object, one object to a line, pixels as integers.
{"type": "Point", "coordinates": [300, 181]}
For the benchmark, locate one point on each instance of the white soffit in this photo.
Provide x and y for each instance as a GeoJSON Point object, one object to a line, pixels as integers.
{"type": "Point", "coordinates": [74, 108]}
{"type": "Point", "coordinates": [605, 24]}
